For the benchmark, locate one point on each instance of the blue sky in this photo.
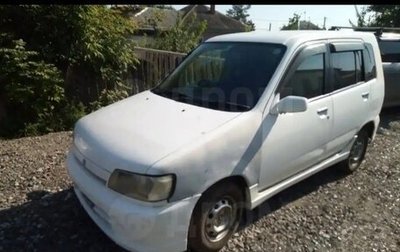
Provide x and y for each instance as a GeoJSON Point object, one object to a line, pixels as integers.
{"type": "Point", "coordinates": [278, 15]}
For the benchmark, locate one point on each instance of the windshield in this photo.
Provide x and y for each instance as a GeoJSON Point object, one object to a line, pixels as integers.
{"type": "Point", "coordinates": [390, 50]}
{"type": "Point", "coordinates": [228, 76]}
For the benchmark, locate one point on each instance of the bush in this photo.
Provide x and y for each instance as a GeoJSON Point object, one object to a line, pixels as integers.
{"type": "Point", "coordinates": [32, 92]}
{"type": "Point", "coordinates": [41, 46]}
{"type": "Point", "coordinates": [91, 39]}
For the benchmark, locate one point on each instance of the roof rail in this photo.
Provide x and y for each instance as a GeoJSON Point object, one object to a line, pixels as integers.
{"type": "Point", "coordinates": [378, 30]}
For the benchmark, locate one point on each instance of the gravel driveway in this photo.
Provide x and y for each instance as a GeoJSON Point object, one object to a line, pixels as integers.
{"type": "Point", "coordinates": [327, 212]}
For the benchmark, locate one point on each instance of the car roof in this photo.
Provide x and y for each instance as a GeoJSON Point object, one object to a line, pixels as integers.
{"type": "Point", "coordinates": [289, 37]}
{"type": "Point", "coordinates": [389, 36]}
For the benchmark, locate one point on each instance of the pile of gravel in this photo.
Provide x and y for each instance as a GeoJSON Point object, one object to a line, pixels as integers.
{"type": "Point", "coordinates": [327, 212]}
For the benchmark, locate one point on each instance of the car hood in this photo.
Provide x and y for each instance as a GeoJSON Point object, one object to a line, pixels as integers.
{"type": "Point", "coordinates": [136, 132]}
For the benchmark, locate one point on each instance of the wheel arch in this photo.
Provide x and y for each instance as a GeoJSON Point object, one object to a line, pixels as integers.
{"type": "Point", "coordinates": [194, 236]}
{"type": "Point", "coordinates": [369, 127]}
{"type": "Point", "coordinates": [237, 180]}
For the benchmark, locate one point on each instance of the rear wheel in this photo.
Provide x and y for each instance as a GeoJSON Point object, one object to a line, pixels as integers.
{"type": "Point", "coordinates": [215, 218]}
{"type": "Point", "coordinates": [357, 153]}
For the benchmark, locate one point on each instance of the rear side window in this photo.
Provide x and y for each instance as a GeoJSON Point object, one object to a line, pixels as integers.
{"type": "Point", "coordinates": [369, 62]}
{"type": "Point", "coordinates": [350, 67]}
{"type": "Point", "coordinates": [344, 69]}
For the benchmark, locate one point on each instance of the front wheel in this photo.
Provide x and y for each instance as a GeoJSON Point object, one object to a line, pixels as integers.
{"type": "Point", "coordinates": [357, 153]}
{"type": "Point", "coordinates": [215, 218]}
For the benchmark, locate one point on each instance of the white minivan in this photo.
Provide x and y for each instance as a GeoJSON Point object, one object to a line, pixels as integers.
{"type": "Point", "coordinates": [243, 117]}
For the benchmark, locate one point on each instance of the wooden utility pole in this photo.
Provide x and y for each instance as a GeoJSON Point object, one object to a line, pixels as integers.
{"type": "Point", "coordinates": [324, 23]}
{"type": "Point", "coordinates": [269, 26]}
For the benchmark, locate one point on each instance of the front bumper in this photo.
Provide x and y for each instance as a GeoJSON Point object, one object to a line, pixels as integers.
{"type": "Point", "coordinates": [134, 225]}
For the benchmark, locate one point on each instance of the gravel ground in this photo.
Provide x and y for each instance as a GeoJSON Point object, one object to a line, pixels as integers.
{"type": "Point", "coordinates": [327, 212]}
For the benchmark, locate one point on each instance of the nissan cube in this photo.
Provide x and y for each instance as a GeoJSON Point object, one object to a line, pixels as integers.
{"type": "Point", "coordinates": [243, 117]}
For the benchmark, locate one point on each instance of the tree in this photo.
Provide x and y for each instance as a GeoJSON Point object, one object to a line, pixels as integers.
{"type": "Point", "coordinates": [45, 44]}
{"type": "Point", "coordinates": [296, 24]}
{"type": "Point", "coordinates": [361, 18]}
{"type": "Point", "coordinates": [183, 37]}
{"type": "Point", "coordinates": [239, 12]}
{"type": "Point", "coordinates": [91, 40]}
{"type": "Point", "coordinates": [378, 16]}
{"type": "Point", "coordinates": [293, 23]}
{"type": "Point", "coordinates": [384, 15]}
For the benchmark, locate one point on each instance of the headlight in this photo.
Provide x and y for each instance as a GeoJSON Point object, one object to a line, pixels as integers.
{"type": "Point", "coordinates": [79, 142]}
{"type": "Point", "coordinates": [141, 187]}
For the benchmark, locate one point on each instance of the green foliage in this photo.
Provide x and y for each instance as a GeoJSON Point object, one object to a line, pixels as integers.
{"type": "Point", "coordinates": [250, 26]}
{"type": "Point", "coordinates": [183, 37]}
{"type": "Point", "coordinates": [42, 43]}
{"type": "Point", "coordinates": [239, 12]}
{"type": "Point", "coordinates": [108, 97]}
{"type": "Point", "coordinates": [293, 23]}
{"type": "Point", "coordinates": [94, 38]}
{"type": "Point", "coordinates": [378, 16]}
{"type": "Point", "coordinates": [32, 92]}
{"type": "Point", "coordinates": [384, 15]}
{"type": "Point", "coordinates": [361, 17]}
{"type": "Point", "coordinates": [296, 24]}
{"type": "Point", "coordinates": [107, 52]}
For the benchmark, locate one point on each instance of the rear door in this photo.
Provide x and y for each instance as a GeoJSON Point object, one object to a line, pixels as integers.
{"type": "Point", "coordinates": [350, 91]}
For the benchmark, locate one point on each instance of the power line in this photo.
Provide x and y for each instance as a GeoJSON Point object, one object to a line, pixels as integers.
{"type": "Point", "coordinates": [280, 20]}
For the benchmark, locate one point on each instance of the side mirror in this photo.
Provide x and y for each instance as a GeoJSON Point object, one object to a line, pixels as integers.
{"type": "Point", "coordinates": [290, 104]}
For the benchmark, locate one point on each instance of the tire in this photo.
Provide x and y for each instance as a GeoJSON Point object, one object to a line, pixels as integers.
{"type": "Point", "coordinates": [222, 204]}
{"type": "Point", "coordinates": [357, 153]}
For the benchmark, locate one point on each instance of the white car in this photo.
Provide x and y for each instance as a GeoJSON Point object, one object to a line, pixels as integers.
{"type": "Point", "coordinates": [243, 117]}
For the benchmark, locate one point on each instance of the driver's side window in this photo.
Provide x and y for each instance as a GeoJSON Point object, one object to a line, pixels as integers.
{"type": "Point", "coordinates": [308, 78]}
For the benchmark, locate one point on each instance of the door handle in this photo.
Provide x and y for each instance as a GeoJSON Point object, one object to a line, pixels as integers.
{"type": "Point", "coordinates": [365, 95]}
{"type": "Point", "coordinates": [323, 113]}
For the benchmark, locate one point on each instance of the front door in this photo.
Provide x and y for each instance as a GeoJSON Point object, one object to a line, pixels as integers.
{"type": "Point", "coordinates": [293, 142]}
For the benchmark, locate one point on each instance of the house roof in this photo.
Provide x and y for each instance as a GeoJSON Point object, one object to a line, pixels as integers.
{"type": "Point", "coordinates": [307, 25]}
{"type": "Point", "coordinates": [167, 18]}
{"type": "Point", "coordinates": [217, 23]}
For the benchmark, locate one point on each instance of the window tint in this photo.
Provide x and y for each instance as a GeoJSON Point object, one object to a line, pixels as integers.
{"type": "Point", "coordinates": [390, 50]}
{"type": "Point", "coordinates": [227, 76]}
{"type": "Point", "coordinates": [308, 79]}
{"type": "Point", "coordinates": [359, 69]}
{"type": "Point", "coordinates": [369, 63]}
{"type": "Point", "coordinates": [344, 67]}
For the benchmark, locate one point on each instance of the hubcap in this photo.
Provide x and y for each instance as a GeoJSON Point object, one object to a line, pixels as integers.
{"type": "Point", "coordinates": [356, 153]}
{"type": "Point", "coordinates": [219, 220]}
